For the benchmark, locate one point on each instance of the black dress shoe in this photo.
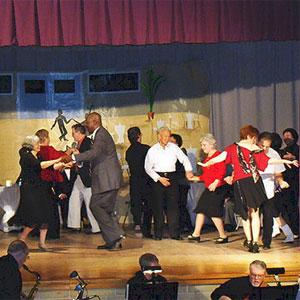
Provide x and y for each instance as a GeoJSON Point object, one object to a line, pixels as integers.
{"type": "Point", "coordinates": [247, 244]}
{"type": "Point", "coordinates": [266, 247]}
{"type": "Point", "coordinates": [114, 245]}
{"type": "Point", "coordinates": [177, 238]}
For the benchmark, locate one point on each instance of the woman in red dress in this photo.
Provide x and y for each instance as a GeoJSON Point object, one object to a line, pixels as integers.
{"type": "Point", "coordinates": [247, 158]}
{"type": "Point", "coordinates": [211, 201]}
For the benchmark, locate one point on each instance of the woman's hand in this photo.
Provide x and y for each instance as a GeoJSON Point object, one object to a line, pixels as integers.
{"type": "Point", "coordinates": [283, 184]}
{"type": "Point", "coordinates": [212, 187]}
{"type": "Point", "coordinates": [195, 178]}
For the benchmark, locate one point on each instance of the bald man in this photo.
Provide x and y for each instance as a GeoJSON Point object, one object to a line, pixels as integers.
{"type": "Point", "coordinates": [10, 276]}
{"type": "Point", "coordinates": [160, 165]}
{"type": "Point", "coordinates": [106, 180]}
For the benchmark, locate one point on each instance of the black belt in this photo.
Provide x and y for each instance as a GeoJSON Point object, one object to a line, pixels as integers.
{"type": "Point", "coordinates": [166, 174]}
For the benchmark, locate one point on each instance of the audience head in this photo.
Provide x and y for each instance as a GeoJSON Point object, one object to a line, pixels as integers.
{"type": "Point", "coordinates": [163, 135]}
{"type": "Point", "coordinates": [43, 135]}
{"type": "Point", "coordinates": [250, 133]}
{"type": "Point", "coordinates": [31, 142]}
{"type": "Point", "coordinates": [78, 132]}
{"type": "Point", "coordinates": [276, 141]}
{"type": "Point", "coordinates": [257, 272]}
{"type": "Point", "coordinates": [176, 139]}
{"type": "Point", "coordinates": [19, 250]}
{"type": "Point", "coordinates": [93, 121]}
{"type": "Point", "coordinates": [208, 143]}
{"type": "Point", "coordinates": [290, 136]}
{"type": "Point", "coordinates": [148, 260]}
{"type": "Point", "coordinates": [265, 141]}
{"type": "Point", "coordinates": [134, 135]}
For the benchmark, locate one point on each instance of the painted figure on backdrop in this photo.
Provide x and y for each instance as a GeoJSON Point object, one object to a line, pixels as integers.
{"type": "Point", "coordinates": [61, 120]}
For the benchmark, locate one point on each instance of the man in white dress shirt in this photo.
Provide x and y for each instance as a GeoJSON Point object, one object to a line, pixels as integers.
{"type": "Point", "coordinates": [160, 165]}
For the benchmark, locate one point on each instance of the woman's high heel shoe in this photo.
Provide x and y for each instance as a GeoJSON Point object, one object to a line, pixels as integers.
{"type": "Point", "coordinates": [221, 240]}
{"type": "Point", "coordinates": [194, 238]}
{"type": "Point", "coordinates": [44, 248]}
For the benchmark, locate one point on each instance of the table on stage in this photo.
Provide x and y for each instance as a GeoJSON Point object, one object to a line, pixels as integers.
{"type": "Point", "coordinates": [9, 202]}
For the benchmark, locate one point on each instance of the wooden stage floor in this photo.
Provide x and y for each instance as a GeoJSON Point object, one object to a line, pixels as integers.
{"type": "Point", "coordinates": [188, 263]}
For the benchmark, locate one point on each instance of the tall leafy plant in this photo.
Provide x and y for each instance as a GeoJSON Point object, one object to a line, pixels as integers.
{"type": "Point", "coordinates": [151, 85]}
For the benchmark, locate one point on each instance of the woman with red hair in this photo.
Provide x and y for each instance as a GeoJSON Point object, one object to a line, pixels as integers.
{"type": "Point", "coordinates": [247, 159]}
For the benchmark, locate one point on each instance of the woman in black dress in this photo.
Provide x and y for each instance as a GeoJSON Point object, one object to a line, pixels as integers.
{"type": "Point", "coordinates": [34, 210]}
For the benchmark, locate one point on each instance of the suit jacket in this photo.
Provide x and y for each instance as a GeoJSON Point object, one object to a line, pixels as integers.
{"type": "Point", "coordinates": [85, 171]}
{"type": "Point", "coordinates": [105, 167]}
{"type": "Point", "coordinates": [10, 278]}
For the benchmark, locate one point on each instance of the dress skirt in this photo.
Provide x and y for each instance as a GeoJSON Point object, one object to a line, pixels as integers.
{"type": "Point", "coordinates": [248, 194]}
{"type": "Point", "coordinates": [34, 209]}
{"type": "Point", "coordinates": [211, 204]}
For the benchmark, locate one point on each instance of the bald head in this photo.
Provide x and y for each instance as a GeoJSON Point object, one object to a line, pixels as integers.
{"type": "Point", "coordinates": [19, 250]}
{"type": "Point", "coordinates": [93, 121]}
{"type": "Point", "coordinates": [163, 136]}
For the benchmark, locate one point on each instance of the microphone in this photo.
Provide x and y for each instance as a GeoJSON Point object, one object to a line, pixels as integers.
{"type": "Point", "coordinates": [75, 275]}
{"type": "Point", "coordinates": [36, 274]}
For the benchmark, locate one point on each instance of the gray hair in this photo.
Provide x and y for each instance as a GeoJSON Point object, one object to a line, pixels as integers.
{"type": "Point", "coordinates": [17, 247]}
{"type": "Point", "coordinates": [259, 263]}
{"type": "Point", "coordinates": [161, 129]}
{"type": "Point", "coordinates": [30, 141]}
{"type": "Point", "coordinates": [210, 139]}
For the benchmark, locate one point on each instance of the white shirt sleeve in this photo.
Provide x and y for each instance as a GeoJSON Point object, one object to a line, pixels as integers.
{"type": "Point", "coordinates": [183, 159]}
{"type": "Point", "coordinates": [149, 166]}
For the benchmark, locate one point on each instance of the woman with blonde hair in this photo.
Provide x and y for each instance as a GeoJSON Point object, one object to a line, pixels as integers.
{"type": "Point", "coordinates": [211, 201]}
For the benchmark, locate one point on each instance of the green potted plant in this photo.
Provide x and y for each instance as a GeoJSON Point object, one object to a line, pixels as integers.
{"type": "Point", "coordinates": [150, 87]}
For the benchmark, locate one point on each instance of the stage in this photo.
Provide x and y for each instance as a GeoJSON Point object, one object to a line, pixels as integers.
{"type": "Point", "coordinates": [183, 261]}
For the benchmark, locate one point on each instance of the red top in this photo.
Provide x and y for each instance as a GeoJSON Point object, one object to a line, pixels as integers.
{"type": "Point", "coordinates": [261, 160]}
{"type": "Point", "coordinates": [49, 153]}
{"type": "Point", "coordinates": [213, 172]}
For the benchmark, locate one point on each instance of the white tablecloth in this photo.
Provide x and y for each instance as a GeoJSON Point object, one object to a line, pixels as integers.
{"type": "Point", "coordinates": [9, 202]}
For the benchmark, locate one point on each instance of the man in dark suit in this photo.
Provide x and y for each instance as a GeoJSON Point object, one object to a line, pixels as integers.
{"type": "Point", "coordinates": [82, 179]}
{"type": "Point", "coordinates": [106, 180]}
{"type": "Point", "coordinates": [140, 182]}
{"type": "Point", "coordinates": [10, 276]}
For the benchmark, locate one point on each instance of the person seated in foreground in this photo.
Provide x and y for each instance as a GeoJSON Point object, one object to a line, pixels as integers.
{"type": "Point", "coordinates": [241, 287]}
{"type": "Point", "coordinates": [147, 260]}
{"type": "Point", "coordinates": [10, 276]}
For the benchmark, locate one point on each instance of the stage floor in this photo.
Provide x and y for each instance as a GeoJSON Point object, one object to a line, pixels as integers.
{"type": "Point", "coordinates": [183, 261]}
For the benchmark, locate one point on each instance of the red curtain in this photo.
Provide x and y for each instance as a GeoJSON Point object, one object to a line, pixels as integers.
{"type": "Point", "coordinates": [142, 22]}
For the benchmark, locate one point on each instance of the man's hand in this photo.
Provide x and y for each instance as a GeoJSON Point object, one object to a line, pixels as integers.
{"type": "Point", "coordinates": [75, 151]}
{"type": "Point", "coordinates": [289, 156]}
{"type": "Point", "coordinates": [164, 181]}
{"type": "Point", "coordinates": [66, 159]}
{"type": "Point", "coordinates": [62, 196]}
{"type": "Point", "coordinates": [189, 175]}
{"type": "Point", "coordinates": [283, 184]}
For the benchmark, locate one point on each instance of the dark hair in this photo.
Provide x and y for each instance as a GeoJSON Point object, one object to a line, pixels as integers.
{"type": "Point", "coordinates": [42, 134]}
{"type": "Point", "coordinates": [248, 130]}
{"type": "Point", "coordinates": [133, 134]}
{"type": "Point", "coordinates": [276, 141]}
{"type": "Point", "coordinates": [265, 136]}
{"type": "Point", "coordinates": [293, 132]}
{"type": "Point", "coordinates": [146, 260]}
{"type": "Point", "coordinates": [79, 128]}
{"type": "Point", "coordinates": [177, 138]}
